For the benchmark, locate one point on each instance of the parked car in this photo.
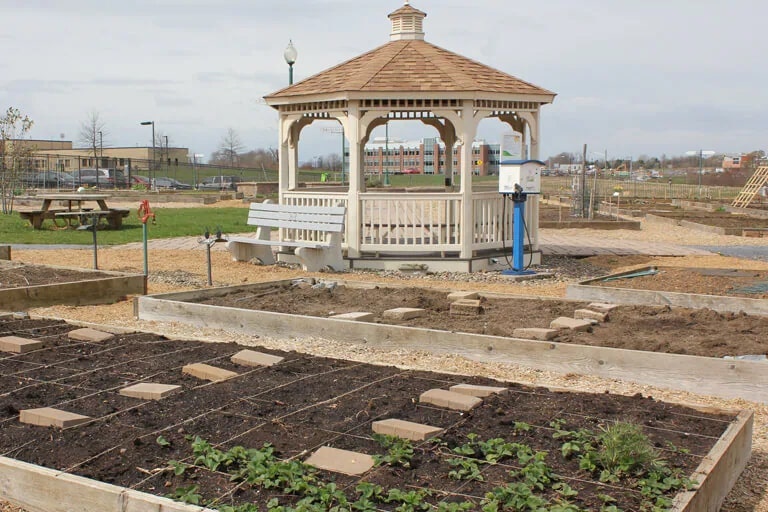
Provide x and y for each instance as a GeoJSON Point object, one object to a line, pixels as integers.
{"type": "Point", "coordinates": [171, 184]}
{"type": "Point", "coordinates": [47, 179]}
{"type": "Point", "coordinates": [137, 180]}
{"type": "Point", "coordinates": [107, 178]}
{"type": "Point", "coordinates": [220, 183]}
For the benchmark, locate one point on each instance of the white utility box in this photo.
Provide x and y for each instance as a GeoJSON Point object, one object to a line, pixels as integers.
{"type": "Point", "coordinates": [525, 173]}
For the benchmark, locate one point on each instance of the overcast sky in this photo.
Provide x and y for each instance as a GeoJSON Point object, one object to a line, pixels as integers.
{"type": "Point", "coordinates": [633, 77]}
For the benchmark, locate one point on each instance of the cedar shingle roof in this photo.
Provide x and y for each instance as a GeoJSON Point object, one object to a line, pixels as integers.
{"type": "Point", "coordinates": [409, 66]}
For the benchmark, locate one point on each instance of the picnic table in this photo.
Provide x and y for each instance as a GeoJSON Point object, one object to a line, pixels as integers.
{"type": "Point", "coordinates": [75, 211]}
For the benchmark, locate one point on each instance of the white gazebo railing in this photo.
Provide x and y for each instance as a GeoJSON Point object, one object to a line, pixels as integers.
{"type": "Point", "coordinates": [415, 223]}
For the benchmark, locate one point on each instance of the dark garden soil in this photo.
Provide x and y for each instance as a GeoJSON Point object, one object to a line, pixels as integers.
{"type": "Point", "coordinates": [13, 275]}
{"type": "Point", "coordinates": [563, 214]}
{"type": "Point", "coordinates": [751, 284]}
{"type": "Point", "coordinates": [306, 402]}
{"type": "Point", "coordinates": [716, 219]}
{"type": "Point", "coordinates": [651, 328]}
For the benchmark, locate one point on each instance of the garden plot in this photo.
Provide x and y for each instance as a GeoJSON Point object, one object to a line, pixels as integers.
{"type": "Point", "coordinates": [725, 290]}
{"type": "Point", "coordinates": [25, 286]}
{"type": "Point", "coordinates": [548, 448]}
{"type": "Point", "coordinates": [645, 344]}
{"type": "Point", "coordinates": [560, 218]}
{"type": "Point", "coordinates": [718, 222]}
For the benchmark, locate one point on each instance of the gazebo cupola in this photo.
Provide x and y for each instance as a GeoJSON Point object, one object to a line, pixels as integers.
{"type": "Point", "coordinates": [407, 23]}
{"type": "Point", "coordinates": [408, 78]}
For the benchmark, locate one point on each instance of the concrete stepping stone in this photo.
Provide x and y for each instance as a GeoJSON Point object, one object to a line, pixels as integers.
{"type": "Point", "coordinates": [88, 334]}
{"type": "Point", "coordinates": [253, 358]}
{"type": "Point", "coordinates": [359, 316]}
{"type": "Point", "coordinates": [450, 400]}
{"type": "Point", "coordinates": [571, 324]}
{"type": "Point", "coordinates": [535, 333]}
{"type": "Point", "coordinates": [340, 461]}
{"type": "Point", "coordinates": [403, 313]}
{"type": "Point", "coordinates": [454, 296]}
{"type": "Point", "coordinates": [19, 345]}
{"type": "Point", "coordinates": [208, 372]}
{"type": "Point", "coordinates": [602, 307]}
{"type": "Point", "coordinates": [50, 417]}
{"type": "Point", "coordinates": [470, 307]}
{"type": "Point", "coordinates": [588, 314]}
{"type": "Point", "coordinates": [478, 391]}
{"type": "Point", "coordinates": [149, 391]}
{"type": "Point", "coordinates": [406, 429]}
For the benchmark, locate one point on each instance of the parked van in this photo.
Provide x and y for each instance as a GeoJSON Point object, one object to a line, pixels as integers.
{"type": "Point", "coordinates": [220, 183]}
{"type": "Point", "coordinates": [104, 178]}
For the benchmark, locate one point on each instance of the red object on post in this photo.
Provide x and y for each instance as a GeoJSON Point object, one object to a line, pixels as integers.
{"type": "Point", "coordinates": [145, 212]}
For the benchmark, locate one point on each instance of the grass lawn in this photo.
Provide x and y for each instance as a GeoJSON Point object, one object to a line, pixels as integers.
{"type": "Point", "coordinates": [171, 222]}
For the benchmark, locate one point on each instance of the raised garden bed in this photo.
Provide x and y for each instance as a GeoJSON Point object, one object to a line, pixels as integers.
{"type": "Point", "coordinates": [546, 447]}
{"type": "Point", "coordinates": [724, 290]}
{"type": "Point", "coordinates": [560, 218]}
{"type": "Point", "coordinates": [722, 223]}
{"type": "Point", "coordinates": [25, 286]}
{"type": "Point", "coordinates": [638, 343]}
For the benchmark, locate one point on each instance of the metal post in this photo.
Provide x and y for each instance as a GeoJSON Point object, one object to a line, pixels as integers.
{"type": "Point", "coordinates": [94, 221]}
{"type": "Point", "coordinates": [290, 76]}
{"type": "Point", "coordinates": [144, 238]}
{"type": "Point", "coordinates": [701, 169]}
{"type": "Point", "coordinates": [208, 259]}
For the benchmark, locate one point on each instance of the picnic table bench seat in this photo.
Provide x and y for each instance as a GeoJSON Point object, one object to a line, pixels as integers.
{"type": "Point", "coordinates": [326, 222]}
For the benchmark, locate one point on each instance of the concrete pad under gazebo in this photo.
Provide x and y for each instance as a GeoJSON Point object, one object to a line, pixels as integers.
{"type": "Point", "coordinates": [411, 79]}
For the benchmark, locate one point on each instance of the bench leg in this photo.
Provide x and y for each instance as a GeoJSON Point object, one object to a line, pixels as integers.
{"type": "Point", "coordinates": [315, 260]}
{"type": "Point", "coordinates": [246, 252]}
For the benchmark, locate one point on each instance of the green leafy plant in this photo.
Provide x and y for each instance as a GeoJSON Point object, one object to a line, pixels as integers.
{"type": "Point", "coordinates": [465, 469]}
{"type": "Point", "coordinates": [163, 441]}
{"type": "Point", "coordinates": [187, 495]}
{"type": "Point", "coordinates": [399, 451]}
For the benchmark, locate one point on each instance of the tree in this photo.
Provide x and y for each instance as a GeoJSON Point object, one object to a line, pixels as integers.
{"type": "Point", "coordinates": [92, 135]}
{"type": "Point", "coordinates": [13, 151]}
{"type": "Point", "coordinates": [229, 149]}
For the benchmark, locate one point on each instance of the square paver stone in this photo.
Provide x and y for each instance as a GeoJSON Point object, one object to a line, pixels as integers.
{"type": "Point", "coordinates": [403, 313]}
{"type": "Point", "coordinates": [340, 461]}
{"type": "Point", "coordinates": [453, 296]}
{"type": "Point", "coordinates": [19, 345]}
{"type": "Point", "coordinates": [571, 323]}
{"type": "Point", "coordinates": [208, 372]}
{"type": "Point", "coordinates": [88, 334]}
{"type": "Point", "coordinates": [466, 307]}
{"type": "Point", "coordinates": [149, 391]}
{"type": "Point", "coordinates": [50, 417]}
{"type": "Point", "coordinates": [450, 400]}
{"type": "Point", "coordinates": [478, 391]}
{"type": "Point", "coordinates": [535, 333]}
{"type": "Point", "coordinates": [602, 307]}
{"type": "Point", "coordinates": [406, 429]}
{"type": "Point", "coordinates": [253, 358]}
{"type": "Point", "coordinates": [588, 314]}
{"type": "Point", "coordinates": [358, 316]}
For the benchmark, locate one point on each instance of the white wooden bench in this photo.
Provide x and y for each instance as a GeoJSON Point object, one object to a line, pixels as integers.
{"type": "Point", "coordinates": [327, 222]}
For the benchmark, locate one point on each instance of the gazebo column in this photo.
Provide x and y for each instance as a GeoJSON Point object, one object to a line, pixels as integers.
{"type": "Point", "coordinates": [288, 153]}
{"type": "Point", "coordinates": [356, 179]}
{"type": "Point", "coordinates": [447, 133]}
{"type": "Point", "coordinates": [467, 131]}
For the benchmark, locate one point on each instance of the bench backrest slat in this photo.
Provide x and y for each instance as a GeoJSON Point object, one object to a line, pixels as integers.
{"type": "Point", "coordinates": [313, 218]}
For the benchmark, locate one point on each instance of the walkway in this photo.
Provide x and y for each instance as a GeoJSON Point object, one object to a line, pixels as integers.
{"type": "Point", "coordinates": [551, 244]}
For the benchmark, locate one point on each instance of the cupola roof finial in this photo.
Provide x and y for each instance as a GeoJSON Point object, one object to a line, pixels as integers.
{"type": "Point", "coordinates": [407, 23]}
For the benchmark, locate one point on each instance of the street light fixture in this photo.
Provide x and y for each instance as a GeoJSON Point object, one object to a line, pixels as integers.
{"type": "Point", "coordinates": [152, 162]}
{"type": "Point", "coordinates": [701, 153]}
{"type": "Point", "coordinates": [290, 55]}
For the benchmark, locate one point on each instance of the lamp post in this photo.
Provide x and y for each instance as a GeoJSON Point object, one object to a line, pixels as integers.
{"type": "Point", "coordinates": [152, 162]}
{"type": "Point", "coordinates": [167, 157]}
{"type": "Point", "coordinates": [701, 154]}
{"type": "Point", "coordinates": [290, 55]}
{"type": "Point", "coordinates": [195, 156]}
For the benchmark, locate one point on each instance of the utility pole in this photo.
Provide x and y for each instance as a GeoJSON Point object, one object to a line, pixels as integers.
{"type": "Point", "coordinates": [584, 182]}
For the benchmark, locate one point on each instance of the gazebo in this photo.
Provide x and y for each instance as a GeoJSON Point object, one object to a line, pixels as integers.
{"type": "Point", "coordinates": [411, 79]}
